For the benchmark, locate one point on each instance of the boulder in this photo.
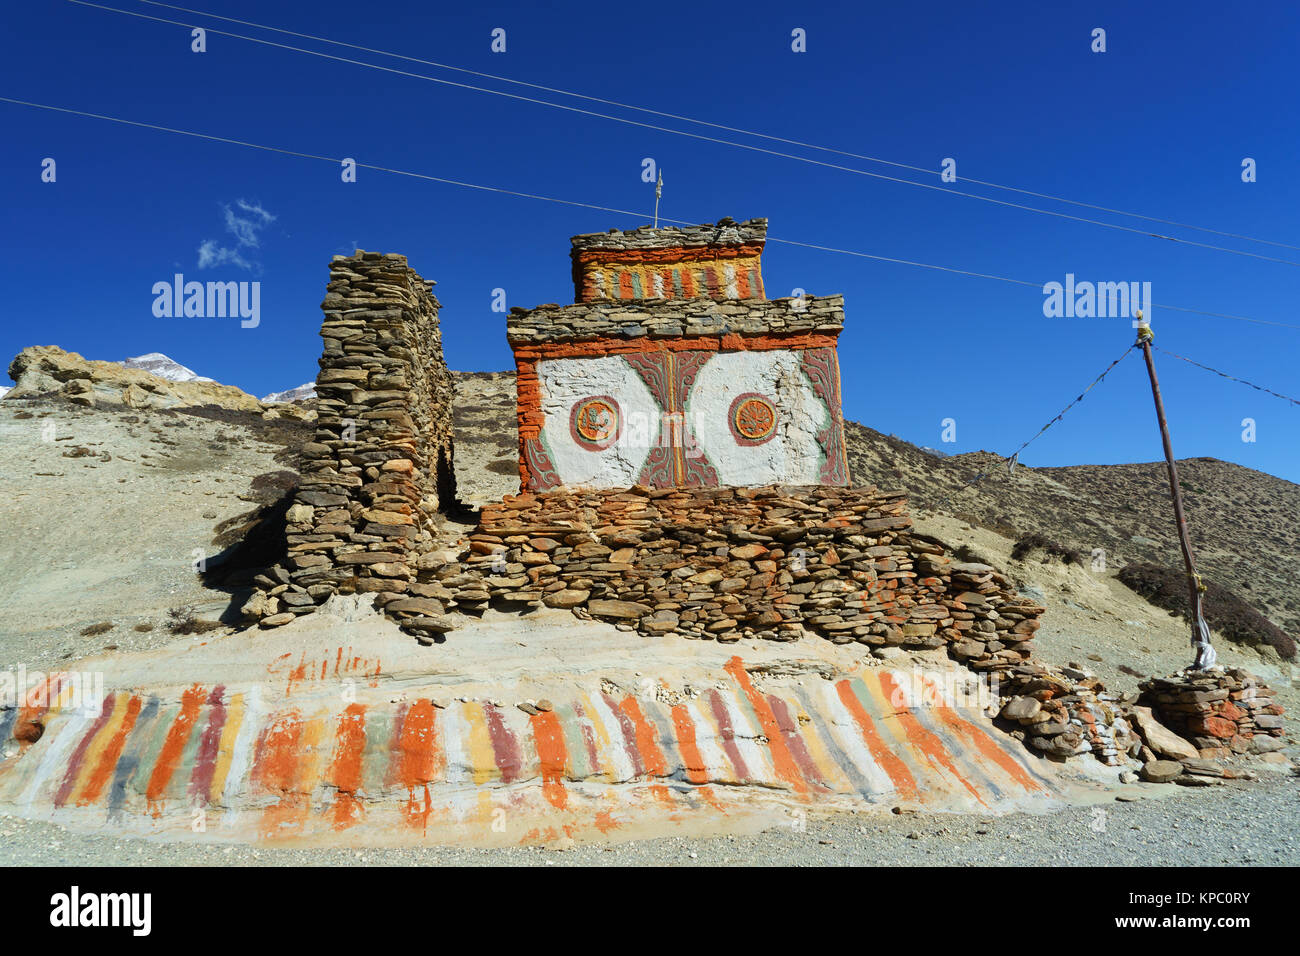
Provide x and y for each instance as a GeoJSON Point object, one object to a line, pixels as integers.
{"type": "Point", "coordinates": [1160, 738]}
{"type": "Point", "coordinates": [44, 369]}
{"type": "Point", "coordinates": [1161, 771]}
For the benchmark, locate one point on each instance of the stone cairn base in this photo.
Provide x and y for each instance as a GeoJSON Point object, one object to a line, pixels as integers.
{"type": "Point", "coordinates": [1221, 711]}
{"type": "Point", "coordinates": [772, 563]}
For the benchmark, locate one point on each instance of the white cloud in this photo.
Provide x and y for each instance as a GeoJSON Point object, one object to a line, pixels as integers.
{"type": "Point", "coordinates": [245, 222]}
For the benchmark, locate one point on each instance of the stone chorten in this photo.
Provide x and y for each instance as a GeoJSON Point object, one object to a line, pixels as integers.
{"type": "Point", "coordinates": [673, 369]}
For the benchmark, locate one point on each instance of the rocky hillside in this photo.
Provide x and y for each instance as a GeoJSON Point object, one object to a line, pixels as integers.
{"type": "Point", "coordinates": [1245, 524]}
{"type": "Point", "coordinates": [148, 381]}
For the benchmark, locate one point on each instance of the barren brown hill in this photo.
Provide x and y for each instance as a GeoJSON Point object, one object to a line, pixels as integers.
{"type": "Point", "coordinates": [1245, 524]}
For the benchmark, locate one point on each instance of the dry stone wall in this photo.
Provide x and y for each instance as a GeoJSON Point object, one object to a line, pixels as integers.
{"type": "Point", "coordinates": [773, 563]}
{"type": "Point", "coordinates": [1221, 711]}
{"type": "Point", "coordinates": [380, 466]}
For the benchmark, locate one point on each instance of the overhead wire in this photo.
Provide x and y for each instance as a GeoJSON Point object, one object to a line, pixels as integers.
{"type": "Point", "coordinates": [698, 136]}
{"type": "Point", "coordinates": [721, 126]}
{"type": "Point", "coordinates": [576, 203]}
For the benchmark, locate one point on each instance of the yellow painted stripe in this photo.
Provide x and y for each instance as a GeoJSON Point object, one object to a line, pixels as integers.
{"type": "Point", "coordinates": [481, 755]}
{"type": "Point", "coordinates": [226, 747]}
{"type": "Point", "coordinates": [90, 759]}
{"type": "Point", "coordinates": [312, 762]}
{"type": "Point", "coordinates": [821, 757]}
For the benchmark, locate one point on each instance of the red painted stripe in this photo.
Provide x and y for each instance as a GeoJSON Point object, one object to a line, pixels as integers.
{"type": "Point", "coordinates": [784, 763]}
{"type": "Point", "coordinates": [647, 740]}
{"type": "Point", "coordinates": [728, 735]}
{"type": "Point", "coordinates": [505, 748]}
{"type": "Point", "coordinates": [74, 762]}
{"type": "Point", "coordinates": [205, 761]}
{"type": "Point", "coordinates": [588, 738]}
{"type": "Point", "coordinates": [789, 728]}
{"type": "Point", "coordinates": [628, 730]}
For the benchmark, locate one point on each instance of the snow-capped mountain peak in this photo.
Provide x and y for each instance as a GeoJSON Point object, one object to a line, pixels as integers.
{"type": "Point", "coordinates": [307, 390]}
{"type": "Point", "coordinates": [158, 364]}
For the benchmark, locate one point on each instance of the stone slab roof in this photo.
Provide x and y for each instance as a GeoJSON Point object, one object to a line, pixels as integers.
{"type": "Point", "coordinates": [725, 232]}
{"type": "Point", "coordinates": [674, 318]}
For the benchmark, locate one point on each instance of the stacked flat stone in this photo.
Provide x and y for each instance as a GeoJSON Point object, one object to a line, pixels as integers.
{"type": "Point", "coordinates": [727, 563]}
{"type": "Point", "coordinates": [674, 318]}
{"type": "Point", "coordinates": [380, 465]}
{"type": "Point", "coordinates": [771, 563]}
{"type": "Point", "coordinates": [1221, 710]}
{"type": "Point", "coordinates": [725, 232]}
{"type": "Point", "coordinates": [1065, 712]}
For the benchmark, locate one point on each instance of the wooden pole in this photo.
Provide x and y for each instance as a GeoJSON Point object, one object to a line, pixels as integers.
{"type": "Point", "coordinates": [1205, 655]}
{"type": "Point", "coordinates": [659, 191]}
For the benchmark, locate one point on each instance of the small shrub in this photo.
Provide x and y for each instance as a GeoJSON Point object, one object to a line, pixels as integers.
{"type": "Point", "coordinates": [143, 628]}
{"type": "Point", "coordinates": [1224, 611]}
{"type": "Point", "coordinates": [182, 621]}
{"type": "Point", "coordinates": [1039, 542]}
{"type": "Point", "coordinates": [103, 627]}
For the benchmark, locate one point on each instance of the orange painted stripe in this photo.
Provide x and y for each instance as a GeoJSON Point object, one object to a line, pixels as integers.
{"type": "Point", "coordinates": [548, 735]}
{"type": "Point", "coordinates": [419, 745]}
{"type": "Point", "coordinates": [418, 761]}
{"type": "Point", "coordinates": [107, 763]}
{"type": "Point", "coordinates": [696, 769]}
{"type": "Point", "coordinates": [987, 748]}
{"type": "Point", "coordinates": [920, 738]}
{"type": "Point", "coordinates": [688, 283]}
{"type": "Point", "coordinates": [670, 254]}
{"type": "Point", "coordinates": [177, 736]}
{"type": "Point", "coordinates": [782, 759]}
{"type": "Point", "coordinates": [275, 768]}
{"type": "Point", "coordinates": [37, 701]}
{"type": "Point", "coordinates": [345, 771]}
{"type": "Point", "coordinates": [647, 744]}
{"type": "Point", "coordinates": [894, 768]}
{"type": "Point", "coordinates": [610, 345]}
{"type": "Point", "coordinates": [742, 282]}
{"type": "Point", "coordinates": [276, 762]}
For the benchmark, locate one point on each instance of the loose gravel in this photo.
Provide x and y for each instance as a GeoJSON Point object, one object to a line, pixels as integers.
{"type": "Point", "coordinates": [1237, 824]}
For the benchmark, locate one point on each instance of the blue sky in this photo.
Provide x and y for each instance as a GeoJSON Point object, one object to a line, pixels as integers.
{"type": "Point", "coordinates": [1158, 124]}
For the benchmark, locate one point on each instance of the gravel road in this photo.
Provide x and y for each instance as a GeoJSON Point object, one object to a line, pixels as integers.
{"type": "Point", "coordinates": [1237, 824]}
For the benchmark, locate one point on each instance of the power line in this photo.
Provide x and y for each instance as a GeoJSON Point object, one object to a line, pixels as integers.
{"type": "Point", "coordinates": [699, 136]}
{"type": "Point", "coordinates": [570, 202]}
{"type": "Point", "coordinates": [721, 126]}
{"type": "Point", "coordinates": [1011, 459]}
{"type": "Point", "coordinates": [1233, 378]}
